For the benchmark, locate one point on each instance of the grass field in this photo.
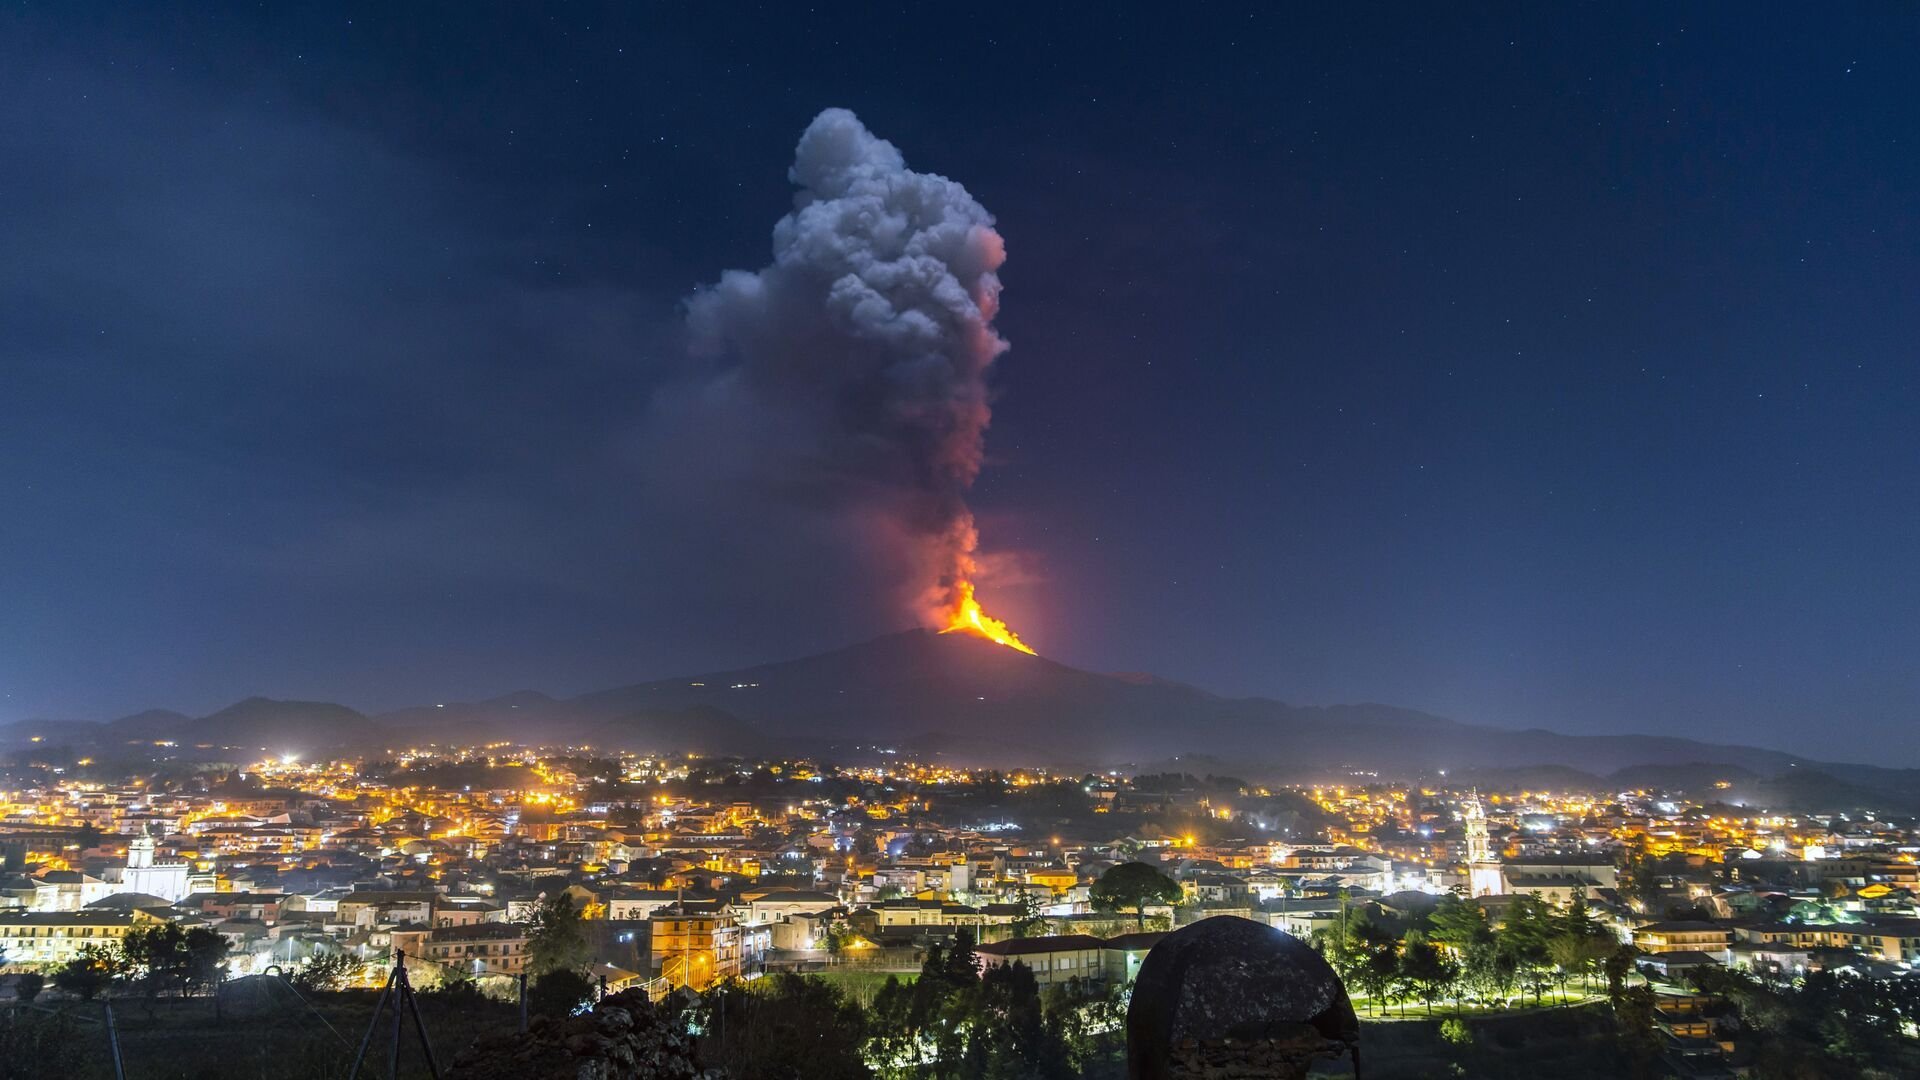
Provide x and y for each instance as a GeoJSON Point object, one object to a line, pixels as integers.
{"type": "Point", "coordinates": [861, 984]}
{"type": "Point", "coordinates": [262, 1033]}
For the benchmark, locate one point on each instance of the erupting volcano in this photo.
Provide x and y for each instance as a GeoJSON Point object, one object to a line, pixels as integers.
{"type": "Point", "coordinates": [966, 617]}
{"type": "Point", "coordinates": [853, 369]}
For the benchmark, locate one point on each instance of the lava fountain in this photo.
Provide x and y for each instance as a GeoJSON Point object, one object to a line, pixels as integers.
{"type": "Point", "coordinates": [966, 615]}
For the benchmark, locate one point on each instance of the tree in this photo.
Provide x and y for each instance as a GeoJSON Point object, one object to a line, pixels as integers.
{"type": "Point", "coordinates": [1430, 971]}
{"type": "Point", "coordinates": [170, 958]}
{"type": "Point", "coordinates": [28, 986]}
{"type": "Point", "coordinates": [1367, 955]}
{"type": "Point", "coordinates": [1642, 885]}
{"type": "Point", "coordinates": [1460, 927]}
{"type": "Point", "coordinates": [1011, 1024]}
{"type": "Point", "coordinates": [90, 972]}
{"type": "Point", "coordinates": [1379, 974]}
{"type": "Point", "coordinates": [1458, 924]}
{"type": "Point", "coordinates": [1617, 966]}
{"type": "Point", "coordinates": [454, 988]}
{"type": "Point", "coordinates": [148, 947]}
{"type": "Point", "coordinates": [327, 971]}
{"type": "Point", "coordinates": [204, 958]}
{"type": "Point", "coordinates": [788, 1027]}
{"type": "Point", "coordinates": [1579, 943]}
{"type": "Point", "coordinates": [1133, 885]}
{"type": "Point", "coordinates": [156, 955]}
{"type": "Point", "coordinates": [961, 966]}
{"type": "Point", "coordinates": [1091, 1017]}
{"type": "Point", "coordinates": [1523, 938]}
{"type": "Point", "coordinates": [891, 1025]}
{"type": "Point", "coordinates": [838, 936]}
{"type": "Point", "coordinates": [556, 938]}
{"type": "Point", "coordinates": [1029, 919]}
{"type": "Point", "coordinates": [1640, 1040]}
{"type": "Point", "coordinates": [559, 992]}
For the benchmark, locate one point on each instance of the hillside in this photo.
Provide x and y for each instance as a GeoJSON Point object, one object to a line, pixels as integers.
{"type": "Point", "coordinates": [967, 699]}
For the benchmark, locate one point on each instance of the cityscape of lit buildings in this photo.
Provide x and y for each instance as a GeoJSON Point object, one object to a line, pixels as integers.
{"type": "Point", "coordinates": [691, 870]}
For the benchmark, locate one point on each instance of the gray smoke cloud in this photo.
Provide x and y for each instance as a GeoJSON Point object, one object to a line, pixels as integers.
{"type": "Point", "coordinates": [850, 374]}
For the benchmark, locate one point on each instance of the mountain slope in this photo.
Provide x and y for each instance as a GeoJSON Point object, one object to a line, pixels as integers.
{"type": "Point", "coordinates": [973, 700]}
{"type": "Point", "coordinates": [969, 700]}
{"type": "Point", "coordinates": [968, 689]}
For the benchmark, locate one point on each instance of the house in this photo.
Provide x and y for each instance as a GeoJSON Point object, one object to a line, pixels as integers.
{"type": "Point", "coordinates": [1302, 917]}
{"type": "Point", "coordinates": [479, 949]}
{"type": "Point", "coordinates": [1120, 957]}
{"type": "Point", "coordinates": [1683, 935]}
{"type": "Point", "coordinates": [1057, 879]}
{"type": "Point", "coordinates": [1053, 959]}
{"type": "Point", "coordinates": [1559, 891]}
{"type": "Point", "coordinates": [802, 931]}
{"type": "Point", "coordinates": [1894, 939]}
{"type": "Point", "coordinates": [1217, 890]}
{"type": "Point", "coordinates": [464, 911]}
{"type": "Point", "coordinates": [915, 912]}
{"type": "Point", "coordinates": [55, 937]}
{"type": "Point", "coordinates": [1537, 873]}
{"type": "Point", "coordinates": [773, 906]}
{"type": "Point", "coordinates": [613, 979]}
{"type": "Point", "coordinates": [367, 908]}
{"type": "Point", "coordinates": [695, 948]}
{"type": "Point", "coordinates": [263, 907]}
{"type": "Point", "coordinates": [1672, 966]}
{"type": "Point", "coordinates": [67, 890]}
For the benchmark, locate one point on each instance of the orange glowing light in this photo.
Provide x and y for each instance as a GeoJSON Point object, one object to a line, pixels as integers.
{"type": "Point", "coordinates": [965, 614]}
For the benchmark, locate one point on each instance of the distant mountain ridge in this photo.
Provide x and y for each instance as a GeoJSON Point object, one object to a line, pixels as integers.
{"type": "Point", "coordinates": [967, 699]}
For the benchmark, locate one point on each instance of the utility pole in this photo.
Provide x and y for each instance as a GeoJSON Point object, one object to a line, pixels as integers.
{"type": "Point", "coordinates": [523, 1002]}
{"type": "Point", "coordinates": [113, 1041]}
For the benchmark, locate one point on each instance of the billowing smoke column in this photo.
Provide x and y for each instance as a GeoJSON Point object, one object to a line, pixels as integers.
{"type": "Point", "coordinates": [866, 344]}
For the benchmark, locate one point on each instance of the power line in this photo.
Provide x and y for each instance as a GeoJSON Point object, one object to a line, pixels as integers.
{"type": "Point", "coordinates": [301, 998]}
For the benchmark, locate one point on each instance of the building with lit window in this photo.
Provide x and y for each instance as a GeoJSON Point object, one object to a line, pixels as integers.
{"type": "Point", "coordinates": [55, 937]}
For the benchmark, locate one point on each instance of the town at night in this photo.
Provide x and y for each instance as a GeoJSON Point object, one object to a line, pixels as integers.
{"type": "Point", "coordinates": [642, 541]}
{"type": "Point", "coordinates": [693, 878]}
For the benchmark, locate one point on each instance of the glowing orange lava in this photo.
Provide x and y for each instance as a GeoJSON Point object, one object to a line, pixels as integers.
{"type": "Point", "coordinates": [965, 614]}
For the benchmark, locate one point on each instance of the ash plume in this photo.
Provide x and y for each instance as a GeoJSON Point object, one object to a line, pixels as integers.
{"type": "Point", "coordinates": [849, 375]}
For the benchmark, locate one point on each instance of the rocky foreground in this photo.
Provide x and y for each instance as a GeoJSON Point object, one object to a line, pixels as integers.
{"type": "Point", "coordinates": [625, 1037]}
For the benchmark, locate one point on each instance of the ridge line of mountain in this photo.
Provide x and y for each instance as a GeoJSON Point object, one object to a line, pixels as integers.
{"type": "Point", "coordinates": [974, 698]}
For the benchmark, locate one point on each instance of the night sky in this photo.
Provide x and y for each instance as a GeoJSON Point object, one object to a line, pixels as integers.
{"type": "Point", "coordinates": [1551, 368]}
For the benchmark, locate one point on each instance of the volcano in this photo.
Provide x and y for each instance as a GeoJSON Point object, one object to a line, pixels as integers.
{"type": "Point", "coordinates": [956, 687]}
{"type": "Point", "coordinates": [967, 699]}
{"type": "Point", "coordinates": [972, 700]}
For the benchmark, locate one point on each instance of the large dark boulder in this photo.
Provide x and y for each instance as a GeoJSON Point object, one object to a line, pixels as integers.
{"type": "Point", "coordinates": [1230, 997]}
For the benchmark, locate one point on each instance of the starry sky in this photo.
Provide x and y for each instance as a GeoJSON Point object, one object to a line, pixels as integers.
{"type": "Point", "coordinates": [1537, 366]}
